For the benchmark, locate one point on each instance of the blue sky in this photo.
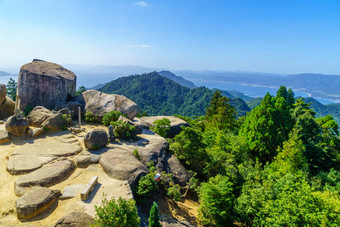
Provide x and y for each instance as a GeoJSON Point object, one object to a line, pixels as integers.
{"type": "Point", "coordinates": [279, 36]}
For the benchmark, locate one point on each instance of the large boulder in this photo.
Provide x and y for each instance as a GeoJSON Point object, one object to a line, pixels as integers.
{"type": "Point", "coordinates": [42, 83]}
{"type": "Point", "coordinates": [44, 118]}
{"type": "Point", "coordinates": [3, 93]}
{"type": "Point", "coordinates": [7, 107]}
{"type": "Point", "coordinates": [48, 175]}
{"type": "Point", "coordinates": [75, 219]}
{"type": "Point", "coordinates": [96, 139]}
{"type": "Point", "coordinates": [175, 124]}
{"type": "Point", "coordinates": [35, 202]}
{"type": "Point", "coordinates": [16, 125]}
{"type": "Point", "coordinates": [122, 165]}
{"type": "Point", "coordinates": [100, 103]}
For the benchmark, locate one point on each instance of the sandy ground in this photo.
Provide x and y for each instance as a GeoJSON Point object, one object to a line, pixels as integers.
{"type": "Point", "coordinates": [108, 186]}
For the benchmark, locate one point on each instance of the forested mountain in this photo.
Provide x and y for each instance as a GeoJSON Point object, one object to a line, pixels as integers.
{"type": "Point", "coordinates": [158, 95]}
{"type": "Point", "coordinates": [177, 79]}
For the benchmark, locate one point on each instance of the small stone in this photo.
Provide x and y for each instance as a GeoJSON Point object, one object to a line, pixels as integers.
{"type": "Point", "coordinates": [35, 132]}
{"type": "Point", "coordinates": [16, 125]}
{"type": "Point", "coordinates": [4, 137]}
{"type": "Point", "coordinates": [96, 139]}
{"type": "Point", "coordinates": [83, 161]}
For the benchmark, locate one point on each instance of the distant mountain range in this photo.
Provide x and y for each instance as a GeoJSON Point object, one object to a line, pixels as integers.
{"type": "Point", "coordinates": [2, 73]}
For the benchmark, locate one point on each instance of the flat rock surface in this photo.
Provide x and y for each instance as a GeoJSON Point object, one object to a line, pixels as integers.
{"type": "Point", "coordinates": [75, 219]}
{"type": "Point", "coordinates": [122, 165]}
{"type": "Point", "coordinates": [50, 174]}
{"type": "Point", "coordinates": [64, 146]}
{"type": "Point", "coordinates": [19, 164]}
{"type": "Point", "coordinates": [72, 190]}
{"type": "Point", "coordinates": [35, 201]}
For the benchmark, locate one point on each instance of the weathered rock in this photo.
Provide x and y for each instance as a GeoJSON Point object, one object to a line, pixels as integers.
{"type": "Point", "coordinates": [175, 124]}
{"type": "Point", "coordinates": [48, 175]}
{"type": "Point", "coordinates": [35, 202]}
{"type": "Point", "coordinates": [138, 130]}
{"type": "Point", "coordinates": [71, 191]}
{"type": "Point", "coordinates": [179, 172]}
{"type": "Point", "coordinates": [20, 164]}
{"type": "Point", "coordinates": [100, 103]}
{"type": "Point", "coordinates": [75, 219]}
{"type": "Point", "coordinates": [7, 108]}
{"type": "Point", "coordinates": [3, 93]}
{"type": "Point", "coordinates": [42, 83]}
{"type": "Point", "coordinates": [83, 161]}
{"type": "Point", "coordinates": [122, 165]}
{"type": "Point", "coordinates": [16, 125]}
{"type": "Point", "coordinates": [4, 137]}
{"type": "Point", "coordinates": [60, 147]}
{"type": "Point", "coordinates": [167, 221]}
{"type": "Point", "coordinates": [72, 107]}
{"type": "Point", "coordinates": [96, 139]}
{"type": "Point", "coordinates": [44, 118]}
{"type": "Point", "coordinates": [35, 132]}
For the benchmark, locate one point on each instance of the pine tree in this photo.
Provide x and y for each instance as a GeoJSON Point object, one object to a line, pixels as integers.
{"type": "Point", "coordinates": [12, 89]}
{"type": "Point", "coordinates": [154, 216]}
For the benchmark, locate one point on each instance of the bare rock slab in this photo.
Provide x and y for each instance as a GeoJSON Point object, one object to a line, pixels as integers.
{"type": "Point", "coordinates": [4, 137]}
{"type": "Point", "coordinates": [20, 164]}
{"type": "Point", "coordinates": [48, 175]}
{"type": "Point", "coordinates": [71, 191]}
{"type": "Point", "coordinates": [50, 147]}
{"type": "Point", "coordinates": [122, 165]}
{"type": "Point", "coordinates": [75, 219]}
{"type": "Point", "coordinates": [35, 202]}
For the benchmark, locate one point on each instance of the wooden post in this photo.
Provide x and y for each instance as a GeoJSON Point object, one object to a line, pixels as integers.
{"type": "Point", "coordinates": [79, 116]}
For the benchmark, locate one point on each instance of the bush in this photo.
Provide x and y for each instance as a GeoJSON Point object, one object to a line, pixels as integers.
{"type": "Point", "coordinates": [111, 116]}
{"type": "Point", "coordinates": [174, 192]}
{"type": "Point", "coordinates": [89, 117]}
{"type": "Point", "coordinates": [161, 127]}
{"type": "Point", "coordinates": [123, 130]}
{"type": "Point", "coordinates": [136, 154]}
{"type": "Point", "coordinates": [67, 118]}
{"type": "Point", "coordinates": [146, 185]}
{"type": "Point", "coordinates": [142, 114]}
{"type": "Point", "coordinates": [119, 214]}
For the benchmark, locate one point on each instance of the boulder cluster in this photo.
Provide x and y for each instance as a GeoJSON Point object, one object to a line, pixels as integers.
{"type": "Point", "coordinates": [48, 90]}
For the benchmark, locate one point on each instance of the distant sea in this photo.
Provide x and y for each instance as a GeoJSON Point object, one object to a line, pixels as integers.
{"type": "Point", "coordinates": [252, 91]}
{"type": "Point", "coordinates": [5, 79]}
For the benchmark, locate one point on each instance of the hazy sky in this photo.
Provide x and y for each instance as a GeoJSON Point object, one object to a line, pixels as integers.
{"type": "Point", "coordinates": [282, 36]}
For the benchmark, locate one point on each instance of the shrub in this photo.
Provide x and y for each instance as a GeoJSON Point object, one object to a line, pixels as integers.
{"type": "Point", "coordinates": [161, 127]}
{"type": "Point", "coordinates": [119, 214]}
{"type": "Point", "coordinates": [136, 154]}
{"type": "Point", "coordinates": [123, 129]}
{"type": "Point", "coordinates": [111, 116]}
{"type": "Point", "coordinates": [89, 117]}
{"type": "Point", "coordinates": [142, 114]}
{"type": "Point", "coordinates": [80, 90]}
{"type": "Point", "coordinates": [154, 216]}
{"type": "Point", "coordinates": [174, 192]}
{"type": "Point", "coordinates": [67, 118]}
{"type": "Point", "coordinates": [146, 185]}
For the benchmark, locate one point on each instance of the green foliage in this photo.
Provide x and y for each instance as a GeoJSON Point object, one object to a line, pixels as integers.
{"type": "Point", "coordinates": [217, 202]}
{"type": "Point", "coordinates": [146, 185]}
{"type": "Point", "coordinates": [120, 213]}
{"type": "Point", "coordinates": [136, 154]}
{"type": "Point", "coordinates": [12, 89]}
{"type": "Point", "coordinates": [154, 216]}
{"type": "Point", "coordinates": [123, 130]}
{"type": "Point", "coordinates": [142, 114]}
{"type": "Point", "coordinates": [161, 127]}
{"type": "Point", "coordinates": [67, 119]}
{"type": "Point", "coordinates": [111, 116]}
{"type": "Point", "coordinates": [27, 110]}
{"type": "Point", "coordinates": [174, 191]}
{"type": "Point", "coordinates": [80, 90]}
{"type": "Point", "coordinates": [89, 117]}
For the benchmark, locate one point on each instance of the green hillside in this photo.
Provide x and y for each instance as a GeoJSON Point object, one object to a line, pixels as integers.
{"type": "Point", "coordinates": [158, 95]}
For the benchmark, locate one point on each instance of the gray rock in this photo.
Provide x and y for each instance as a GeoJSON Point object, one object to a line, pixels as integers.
{"type": "Point", "coordinates": [75, 219]}
{"type": "Point", "coordinates": [179, 172]}
{"type": "Point", "coordinates": [100, 103]}
{"type": "Point", "coordinates": [71, 191]}
{"type": "Point", "coordinates": [6, 108]}
{"type": "Point", "coordinates": [72, 107]}
{"type": "Point", "coordinates": [43, 83]}
{"type": "Point", "coordinates": [35, 202]}
{"type": "Point", "coordinates": [175, 124]}
{"type": "Point", "coordinates": [3, 93]}
{"type": "Point", "coordinates": [83, 161]}
{"type": "Point", "coordinates": [48, 175]}
{"type": "Point", "coordinates": [16, 125]}
{"type": "Point", "coordinates": [96, 139]}
{"type": "Point", "coordinates": [122, 165]}
{"type": "Point", "coordinates": [4, 137]}
{"type": "Point", "coordinates": [44, 118]}
{"type": "Point", "coordinates": [20, 164]}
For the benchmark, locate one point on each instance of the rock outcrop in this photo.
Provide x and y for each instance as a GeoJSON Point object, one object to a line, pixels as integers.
{"type": "Point", "coordinates": [96, 139]}
{"type": "Point", "coordinates": [16, 125]}
{"type": "Point", "coordinates": [35, 202]}
{"type": "Point", "coordinates": [175, 124]}
{"type": "Point", "coordinates": [42, 83]}
{"type": "Point", "coordinates": [75, 219]}
{"type": "Point", "coordinates": [44, 118]}
{"type": "Point", "coordinates": [20, 164]}
{"type": "Point", "coordinates": [48, 175]}
{"type": "Point", "coordinates": [6, 108]}
{"type": "Point", "coordinates": [100, 103]}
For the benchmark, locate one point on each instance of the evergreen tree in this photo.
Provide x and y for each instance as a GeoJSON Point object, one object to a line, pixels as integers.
{"type": "Point", "coordinates": [154, 216]}
{"type": "Point", "coordinates": [12, 89]}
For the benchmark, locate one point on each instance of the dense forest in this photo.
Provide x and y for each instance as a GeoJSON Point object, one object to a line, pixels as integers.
{"type": "Point", "coordinates": [158, 95]}
{"type": "Point", "coordinates": [278, 166]}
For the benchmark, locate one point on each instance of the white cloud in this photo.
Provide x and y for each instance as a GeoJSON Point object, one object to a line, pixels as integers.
{"type": "Point", "coordinates": [142, 4]}
{"type": "Point", "coordinates": [139, 46]}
